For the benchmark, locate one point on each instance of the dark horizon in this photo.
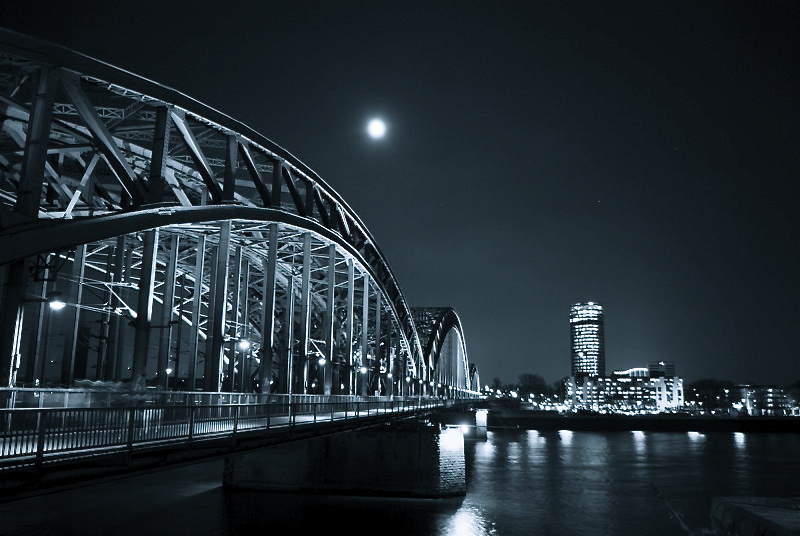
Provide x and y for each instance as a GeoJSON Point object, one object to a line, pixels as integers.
{"type": "Point", "coordinates": [641, 155]}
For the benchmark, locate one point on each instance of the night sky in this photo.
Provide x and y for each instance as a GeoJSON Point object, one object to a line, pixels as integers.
{"type": "Point", "coordinates": [643, 155]}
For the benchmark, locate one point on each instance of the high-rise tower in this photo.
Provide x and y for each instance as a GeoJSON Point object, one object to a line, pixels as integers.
{"type": "Point", "coordinates": [586, 336]}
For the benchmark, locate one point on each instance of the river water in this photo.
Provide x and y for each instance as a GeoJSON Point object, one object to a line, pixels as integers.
{"type": "Point", "coordinates": [519, 482]}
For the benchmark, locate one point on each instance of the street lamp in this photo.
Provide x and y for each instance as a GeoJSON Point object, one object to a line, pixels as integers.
{"type": "Point", "coordinates": [55, 301]}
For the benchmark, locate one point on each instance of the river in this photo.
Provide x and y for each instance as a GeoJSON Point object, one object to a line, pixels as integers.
{"type": "Point", "coordinates": [519, 482]}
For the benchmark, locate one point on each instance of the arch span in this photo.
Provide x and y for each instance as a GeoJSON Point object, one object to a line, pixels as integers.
{"type": "Point", "coordinates": [191, 251]}
{"type": "Point", "coordinates": [445, 349]}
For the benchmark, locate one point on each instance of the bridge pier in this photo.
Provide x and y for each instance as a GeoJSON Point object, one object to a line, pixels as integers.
{"type": "Point", "coordinates": [473, 421]}
{"type": "Point", "coordinates": [396, 460]}
{"type": "Point", "coordinates": [481, 418]}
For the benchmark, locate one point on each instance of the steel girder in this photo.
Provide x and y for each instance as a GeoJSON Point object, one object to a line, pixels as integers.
{"type": "Point", "coordinates": [445, 350]}
{"type": "Point", "coordinates": [96, 158]}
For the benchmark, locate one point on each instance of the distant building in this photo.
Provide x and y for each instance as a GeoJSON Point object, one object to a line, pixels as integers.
{"type": "Point", "coordinates": [661, 369]}
{"type": "Point", "coordinates": [792, 393]}
{"type": "Point", "coordinates": [632, 390]}
{"type": "Point", "coordinates": [587, 340]}
{"type": "Point", "coordinates": [639, 372]}
{"type": "Point", "coordinates": [761, 400]}
{"type": "Point", "coordinates": [655, 388]}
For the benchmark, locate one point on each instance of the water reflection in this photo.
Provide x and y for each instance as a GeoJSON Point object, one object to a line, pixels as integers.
{"type": "Point", "coordinates": [253, 512]}
{"type": "Point", "coordinates": [519, 483]}
{"type": "Point", "coordinates": [742, 467]}
{"type": "Point", "coordinates": [695, 436]}
{"type": "Point", "coordinates": [565, 482]}
{"type": "Point", "coordinates": [484, 449]}
{"type": "Point", "coordinates": [534, 436]}
{"type": "Point", "coordinates": [468, 520]}
{"type": "Point", "coordinates": [639, 443]}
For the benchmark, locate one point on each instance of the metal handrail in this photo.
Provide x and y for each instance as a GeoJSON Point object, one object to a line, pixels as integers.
{"type": "Point", "coordinates": [40, 397]}
{"type": "Point", "coordinates": [32, 436]}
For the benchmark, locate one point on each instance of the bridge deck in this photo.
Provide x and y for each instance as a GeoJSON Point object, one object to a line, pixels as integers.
{"type": "Point", "coordinates": [42, 446]}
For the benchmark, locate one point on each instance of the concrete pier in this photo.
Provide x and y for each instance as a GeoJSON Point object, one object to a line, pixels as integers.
{"type": "Point", "coordinates": [756, 516]}
{"type": "Point", "coordinates": [395, 460]}
{"type": "Point", "coordinates": [481, 418]}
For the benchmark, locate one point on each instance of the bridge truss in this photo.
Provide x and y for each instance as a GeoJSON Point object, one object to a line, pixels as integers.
{"type": "Point", "coordinates": [191, 252]}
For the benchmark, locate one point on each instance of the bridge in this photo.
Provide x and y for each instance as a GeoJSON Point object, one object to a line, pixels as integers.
{"type": "Point", "coordinates": [170, 276]}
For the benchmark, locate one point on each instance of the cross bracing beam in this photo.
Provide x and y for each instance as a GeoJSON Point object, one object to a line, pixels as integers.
{"type": "Point", "coordinates": [112, 173]}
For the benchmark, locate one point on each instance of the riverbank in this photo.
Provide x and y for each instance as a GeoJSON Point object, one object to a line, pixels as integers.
{"type": "Point", "coordinates": [541, 420]}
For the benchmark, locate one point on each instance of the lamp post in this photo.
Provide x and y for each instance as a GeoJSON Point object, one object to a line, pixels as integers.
{"type": "Point", "coordinates": [35, 374]}
{"type": "Point", "coordinates": [363, 377]}
{"type": "Point", "coordinates": [321, 361]}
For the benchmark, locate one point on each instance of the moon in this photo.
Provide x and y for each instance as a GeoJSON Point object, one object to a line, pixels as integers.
{"type": "Point", "coordinates": [376, 129]}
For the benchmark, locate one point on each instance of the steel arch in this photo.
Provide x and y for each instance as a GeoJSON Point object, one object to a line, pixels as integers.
{"type": "Point", "coordinates": [90, 154]}
{"type": "Point", "coordinates": [445, 350]}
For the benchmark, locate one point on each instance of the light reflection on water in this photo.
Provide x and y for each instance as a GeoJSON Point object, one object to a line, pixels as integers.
{"type": "Point", "coordinates": [565, 483]}
{"type": "Point", "coordinates": [639, 443]}
{"type": "Point", "coordinates": [468, 520]}
{"type": "Point", "coordinates": [531, 483]}
{"type": "Point", "coordinates": [695, 436]}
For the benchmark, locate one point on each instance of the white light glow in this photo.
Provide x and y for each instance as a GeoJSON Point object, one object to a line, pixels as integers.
{"type": "Point", "coordinates": [639, 442]}
{"type": "Point", "coordinates": [467, 520]}
{"type": "Point", "coordinates": [451, 439]}
{"type": "Point", "coordinates": [481, 417]}
{"type": "Point", "coordinates": [695, 436]}
{"type": "Point", "coordinates": [56, 304]}
{"type": "Point", "coordinates": [376, 129]}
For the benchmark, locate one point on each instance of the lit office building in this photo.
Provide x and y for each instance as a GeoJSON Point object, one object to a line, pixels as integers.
{"type": "Point", "coordinates": [632, 390]}
{"type": "Point", "coordinates": [586, 335]}
{"type": "Point", "coordinates": [761, 400]}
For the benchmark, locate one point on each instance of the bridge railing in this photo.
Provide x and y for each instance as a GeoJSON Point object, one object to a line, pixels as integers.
{"type": "Point", "coordinates": [33, 436]}
{"type": "Point", "coordinates": [116, 394]}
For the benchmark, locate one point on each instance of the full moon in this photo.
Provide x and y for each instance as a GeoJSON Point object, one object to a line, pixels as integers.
{"type": "Point", "coordinates": [376, 128]}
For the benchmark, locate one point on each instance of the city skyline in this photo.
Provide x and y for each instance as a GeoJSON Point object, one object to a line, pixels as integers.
{"type": "Point", "coordinates": [536, 155]}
